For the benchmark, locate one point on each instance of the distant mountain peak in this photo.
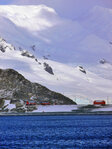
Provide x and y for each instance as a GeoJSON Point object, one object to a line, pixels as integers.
{"type": "Point", "coordinates": [42, 31]}
{"type": "Point", "coordinates": [4, 46]}
{"type": "Point", "coordinates": [19, 87]}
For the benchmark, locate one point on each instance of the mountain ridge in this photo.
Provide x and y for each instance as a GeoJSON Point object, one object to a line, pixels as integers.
{"type": "Point", "coordinates": [12, 81]}
{"type": "Point", "coordinates": [53, 54]}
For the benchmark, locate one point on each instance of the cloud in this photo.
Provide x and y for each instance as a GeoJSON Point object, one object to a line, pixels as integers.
{"type": "Point", "coordinates": [69, 8]}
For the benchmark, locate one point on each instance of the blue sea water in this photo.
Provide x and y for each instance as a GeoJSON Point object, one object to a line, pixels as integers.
{"type": "Point", "coordinates": [56, 132]}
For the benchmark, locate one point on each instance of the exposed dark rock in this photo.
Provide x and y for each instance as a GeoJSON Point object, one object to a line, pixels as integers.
{"type": "Point", "coordinates": [2, 48]}
{"type": "Point", "coordinates": [27, 54]}
{"type": "Point", "coordinates": [36, 60]}
{"type": "Point", "coordinates": [14, 86]}
{"type": "Point", "coordinates": [82, 69]}
{"type": "Point", "coordinates": [48, 68]}
{"type": "Point", "coordinates": [1, 103]}
{"type": "Point", "coordinates": [103, 61]}
{"type": "Point", "coordinates": [4, 45]}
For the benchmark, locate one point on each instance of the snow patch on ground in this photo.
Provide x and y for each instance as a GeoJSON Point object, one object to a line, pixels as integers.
{"type": "Point", "coordinates": [9, 106]}
{"type": "Point", "coordinates": [56, 108]}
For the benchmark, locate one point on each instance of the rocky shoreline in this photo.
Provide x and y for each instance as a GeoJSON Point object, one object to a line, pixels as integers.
{"type": "Point", "coordinates": [57, 110]}
{"type": "Point", "coordinates": [55, 114]}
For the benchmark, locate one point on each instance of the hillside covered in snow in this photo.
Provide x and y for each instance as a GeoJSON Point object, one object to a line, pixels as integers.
{"type": "Point", "coordinates": [70, 56]}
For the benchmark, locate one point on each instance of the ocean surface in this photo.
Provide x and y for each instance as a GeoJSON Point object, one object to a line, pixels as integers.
{"type": "Point", "coordinates": [56, 132]}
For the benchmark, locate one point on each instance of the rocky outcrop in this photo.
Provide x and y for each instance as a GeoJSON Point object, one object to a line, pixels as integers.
{"type": "Point", "coordinates": [102, 61]}
{"type": "Point", "coordinates": [2, 49]}
{"type": "Point", "coordinates": [48, 68]}
{"type": "Point", "coordinates": [27, 54]}
{"type": "Point", "coordinates": [82, 69]}
{"type": "Point", "coordinates": [4, 46]}
{"type": "Point", "coordinates": [15, 87]}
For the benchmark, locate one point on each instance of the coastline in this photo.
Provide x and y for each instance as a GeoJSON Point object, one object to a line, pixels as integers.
{"type": "Point", "coordinates": [56, 113]}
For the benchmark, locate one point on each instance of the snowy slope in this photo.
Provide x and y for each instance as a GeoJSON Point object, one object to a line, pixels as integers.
{"type": "Point", "coordinates": [41, 26]}
{"type": "Point", "coordinates": [9, 105]}
{"type": "Point", "coordinates": [56, 108]}
{"type": "Point", "coordinates": [66, 43]}
{"type": "Point", "coordinates": [67, 79]}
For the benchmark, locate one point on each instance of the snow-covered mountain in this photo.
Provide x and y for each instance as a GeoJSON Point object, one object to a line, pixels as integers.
{"type": "Point", "coordinates": [60, 53]}
{"type": "Point", "coordinates": [41, 26]}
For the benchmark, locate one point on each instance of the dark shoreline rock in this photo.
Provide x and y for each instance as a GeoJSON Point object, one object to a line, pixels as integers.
{"type": "Point", "coordinates": [14, 86]}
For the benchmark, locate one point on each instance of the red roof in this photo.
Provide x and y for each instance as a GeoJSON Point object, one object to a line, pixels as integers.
{"type": "Point", "coordinates": [101, 102]}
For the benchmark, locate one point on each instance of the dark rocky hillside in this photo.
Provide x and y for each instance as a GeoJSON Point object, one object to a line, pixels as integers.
{"type": "Point", "coordinates": [13, 86]}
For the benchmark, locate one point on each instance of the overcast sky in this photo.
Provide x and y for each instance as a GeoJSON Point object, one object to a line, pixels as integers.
{"type": "Point", "coordinates": [65, 8]}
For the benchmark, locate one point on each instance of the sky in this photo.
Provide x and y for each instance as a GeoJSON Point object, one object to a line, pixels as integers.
{"type": "Point", "coordinates": [65, 8]}
{"type": "Point", "coordinates": [5, 2]}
